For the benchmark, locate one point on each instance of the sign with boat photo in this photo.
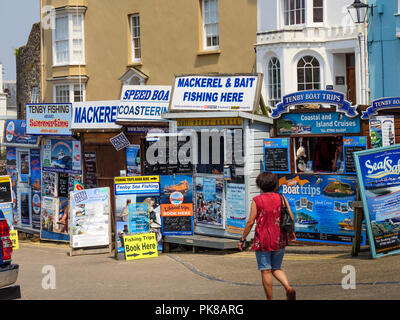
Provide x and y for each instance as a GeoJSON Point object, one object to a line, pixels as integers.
{"type": "Point", "coordinates": [321, 206]}
{"type": "Point", "coordinates": [378, 172]}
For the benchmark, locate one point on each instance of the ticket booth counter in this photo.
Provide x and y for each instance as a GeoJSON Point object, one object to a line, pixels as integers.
{"type": "Point", "coordinates": [227, 159]}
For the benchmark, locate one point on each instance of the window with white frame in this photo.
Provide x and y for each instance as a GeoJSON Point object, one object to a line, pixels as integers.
{"type": "Point", "coordinates": [318, 11]}
{"type": "Point", "coordinates": [71, 92]}
{"type": "Point", "coordinates": [210, 24]}
{"type": "Point", "coordinates": [308, 74]}
{"type": "Point", "coordinates": [68, 40]}
{"type": "Point", "coordinates": [135, 33]}
{"type": "Point", "coordinates": [294, 12]}
{"type": "Point", "coordinates": [274, 82]}
{"type": "Point", "coordinates": [35, 95]}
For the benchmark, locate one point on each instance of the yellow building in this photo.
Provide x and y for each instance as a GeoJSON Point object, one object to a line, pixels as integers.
{"type": "Point", "coordinates": [93, 47]}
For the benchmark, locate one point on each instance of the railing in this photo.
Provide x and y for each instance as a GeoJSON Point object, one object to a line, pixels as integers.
{"type": "Point", "coordinates": [308, 34]}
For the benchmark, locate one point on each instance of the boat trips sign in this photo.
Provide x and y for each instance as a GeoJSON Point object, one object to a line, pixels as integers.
{"type": "Point", "coordinates": [216, 92]}
{"type": "Point", "coordinates": [321, 206]}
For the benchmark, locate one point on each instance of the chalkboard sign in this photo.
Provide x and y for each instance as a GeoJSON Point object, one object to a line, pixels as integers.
{"type": "Point", "coordinates": [5, 189]}
{"type": "Point", "coordinates": [351, 145]}
{"type": "Point", "coordinates": [177, 225]}
{"type": "Point", "coordinates": [63, 185]}
{"type": "Point", "coordinates": [276, 155]}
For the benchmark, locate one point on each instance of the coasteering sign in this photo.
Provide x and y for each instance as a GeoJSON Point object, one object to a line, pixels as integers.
{"type": "Point", "coordinates": [312, 97]}
{"type": "Point", "coordinates": [216, 92]}
{"type": "Point", "coordinates": [143, 103]}
{"type": "Point", "coordinates": [380, 104]}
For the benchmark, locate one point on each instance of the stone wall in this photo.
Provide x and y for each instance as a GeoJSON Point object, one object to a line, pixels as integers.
{"type": "Point", "coordinates": [28, 70]}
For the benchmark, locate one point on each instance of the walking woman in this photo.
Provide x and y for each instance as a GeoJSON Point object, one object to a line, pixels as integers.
{"type": "Point", "coordinates": [270, 239]}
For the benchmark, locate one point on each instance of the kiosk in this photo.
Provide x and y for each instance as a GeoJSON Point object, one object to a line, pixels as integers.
{"type": "Point", "coordinates": [315, 136]}
{"type": "Point", "coordinates": [219, 113]}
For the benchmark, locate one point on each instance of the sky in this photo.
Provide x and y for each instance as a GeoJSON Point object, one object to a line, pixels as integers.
{"type": "Point", "coordinates": [16, 20]}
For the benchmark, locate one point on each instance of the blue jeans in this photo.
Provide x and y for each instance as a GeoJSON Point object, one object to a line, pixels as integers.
{"type": "Point", "coordinates": [270, 260]}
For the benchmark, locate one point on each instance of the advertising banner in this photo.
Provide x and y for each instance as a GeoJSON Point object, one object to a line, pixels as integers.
{"type": "Point", "coordinates": [90, 218]}
{"type": "Point", "coordinates": [95, 115]}
{"type": "Point", "coordinates": [317, 123]}
{"type": "Point", "coordinates": [133, 160]}
{"type": "Point", "coordinates": [177, 204]}
{"type": "Point", "coordinates": [378, 172]}
{"type": "Point", "coordinates": [54, 223]}
{"type": "Point", "coordinates": [382, 131]}
{"type": "Point", "coordinates": [62, 156]}
{"type": "Point", "coordinates": [35, 183]}
{"type": "Point", "coordinates": [209, 204]}
{"type": "Point", "coordinates": [13, 174]}
{"type": "Point", "coordinates": [276, 155]}
{"type": "Point", "coordinates": [49, 119]}
{"type": "Point", "coordinates": [215, 92]}
{"type": "Point", "coordinates": [321, 206]}
{"type": "Point", "coordinates": [137, 208]}
{"type": "Point", "coordinates": [235, 208]}
{"type": "Point", "coordinates": [15, 133]}
{"type": "Point", "coordinates": [143, 103]}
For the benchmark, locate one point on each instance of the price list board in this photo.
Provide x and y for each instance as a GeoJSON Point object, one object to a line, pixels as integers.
{"type": "Point", "coordinates": [276, 155]}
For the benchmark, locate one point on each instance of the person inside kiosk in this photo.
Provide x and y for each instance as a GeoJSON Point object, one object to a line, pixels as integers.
{"type": "Point", "coordinates": [319, 154]}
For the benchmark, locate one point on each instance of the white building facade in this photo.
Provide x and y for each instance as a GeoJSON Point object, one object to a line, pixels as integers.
{"type": "Point", "coordinates": [310, 45]}
{"type": "Point", "coordinates": [3, 95]}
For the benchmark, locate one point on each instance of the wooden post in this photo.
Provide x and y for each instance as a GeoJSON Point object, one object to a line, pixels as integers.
{"type": "Point", "coordinates": [358, 218]}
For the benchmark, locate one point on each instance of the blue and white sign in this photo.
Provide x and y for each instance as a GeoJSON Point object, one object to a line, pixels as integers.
{"type": "Point", "coordinates": [378, 173]}
{"type": "Point", "coordinates": [143, 103]}
{"type": "Point", "coordinates": [49, 119]}
{"type": "Point", "coordinates": [312, 97]}
{"type": "Point", "coordinates": [215, 93]}
{"type": "Point", "coordinates": [380, 104]}
{"type": "Point", "coordinates": [317, 123]}
{"type": "Point", "coordinates": [95, 115]}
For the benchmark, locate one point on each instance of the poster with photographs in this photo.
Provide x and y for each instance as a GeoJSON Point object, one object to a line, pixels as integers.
{"type": "Point", "coordinates": [209, 204]}
{"type": "Point", "coordinates": [133, 160]}
{"type": "Point", "coordinates": [50, 184]}
{"type": "Point", "coordinates": [131, 192]}
{"type": "Point", "coordinates": [90, 218]}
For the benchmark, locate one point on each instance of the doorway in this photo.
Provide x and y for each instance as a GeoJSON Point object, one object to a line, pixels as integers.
{"type": "Point", "coordinates": [351, 78]}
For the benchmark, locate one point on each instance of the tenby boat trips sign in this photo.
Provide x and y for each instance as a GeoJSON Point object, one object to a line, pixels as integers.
{"type": "Point", "coordinates": [314, 97]}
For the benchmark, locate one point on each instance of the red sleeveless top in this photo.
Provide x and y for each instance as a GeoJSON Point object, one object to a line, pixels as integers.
{"type": "Point", "coordinates": [268, 234]}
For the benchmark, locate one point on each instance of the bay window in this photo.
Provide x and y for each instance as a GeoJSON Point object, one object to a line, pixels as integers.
{"type": "Point", "coordinates": [68, 39]}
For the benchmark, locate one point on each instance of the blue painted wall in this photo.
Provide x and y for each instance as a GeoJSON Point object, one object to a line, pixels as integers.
{"type": "Point", "coordinates": [384, 49]}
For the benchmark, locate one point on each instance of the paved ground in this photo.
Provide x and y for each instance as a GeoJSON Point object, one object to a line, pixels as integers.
{"type": "Point", "coordinates": [315, 272]}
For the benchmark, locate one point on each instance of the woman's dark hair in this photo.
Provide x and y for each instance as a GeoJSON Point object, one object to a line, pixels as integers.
{"type": "Point", "coordinates": [267, 181]}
